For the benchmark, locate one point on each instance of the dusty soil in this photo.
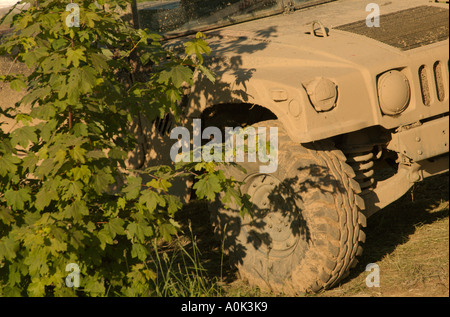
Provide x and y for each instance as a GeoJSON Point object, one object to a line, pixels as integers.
{"type": "Point", "coordinates": [8, 96]}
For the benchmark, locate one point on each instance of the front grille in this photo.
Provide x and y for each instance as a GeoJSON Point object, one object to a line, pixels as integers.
{"type": "Point", "coordinates": [424, 85]}
{"type": "Point", "coordinates": [406, 29]}
{"type": "Point", "coordinates": [439, 80]}
{"type": "Point", "coordinates": [429, 77]}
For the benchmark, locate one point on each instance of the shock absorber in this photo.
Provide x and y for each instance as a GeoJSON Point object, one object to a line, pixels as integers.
{"type": "Point", "coordinates": [363, 149]}
{"type": "Point", "coordinates": [361, 159]}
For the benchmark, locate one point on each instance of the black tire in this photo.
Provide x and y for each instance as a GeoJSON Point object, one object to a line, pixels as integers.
{"type": "Point", "coordinates": [307, 226]}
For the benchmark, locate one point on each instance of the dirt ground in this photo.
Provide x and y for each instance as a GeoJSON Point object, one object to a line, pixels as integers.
{"type": "Point", "coordinates": [409, 241]}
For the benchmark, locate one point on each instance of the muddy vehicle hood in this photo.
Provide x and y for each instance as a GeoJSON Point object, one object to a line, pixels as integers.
{"type": "Point", "coordinates": [270, 62]}
{"type": "Point", "coordinates": [289, 37]}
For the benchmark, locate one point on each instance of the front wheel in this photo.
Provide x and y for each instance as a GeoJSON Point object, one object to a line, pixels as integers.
{"type": "Point", "coordinates": [306, 225]}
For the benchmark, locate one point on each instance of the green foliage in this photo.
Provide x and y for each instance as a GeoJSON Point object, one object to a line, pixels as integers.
{"type": "Point", "coordinates": [66, 194]}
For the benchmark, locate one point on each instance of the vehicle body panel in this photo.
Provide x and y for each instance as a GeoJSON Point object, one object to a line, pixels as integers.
{"type": "Point", "coordinates": [258, 60]}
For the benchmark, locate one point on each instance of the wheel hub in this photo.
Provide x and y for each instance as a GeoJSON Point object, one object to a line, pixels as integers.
{"type": "Point", "coordinates": [274, 229]}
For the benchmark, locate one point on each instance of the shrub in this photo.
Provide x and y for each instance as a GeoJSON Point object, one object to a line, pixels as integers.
{"type": "Point", "coordinates": [66, 194]}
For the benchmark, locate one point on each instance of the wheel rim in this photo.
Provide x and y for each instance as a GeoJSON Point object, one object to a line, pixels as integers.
{"type": "Point", "coordinates": [274, 229]}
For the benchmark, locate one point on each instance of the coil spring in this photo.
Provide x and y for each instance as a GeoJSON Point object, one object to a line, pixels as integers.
{"type": "Point", "coordinates": [361, 159]}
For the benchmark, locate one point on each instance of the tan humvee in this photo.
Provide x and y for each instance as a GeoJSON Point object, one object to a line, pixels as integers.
{"type": "Point", "coordinates": [359, 92]}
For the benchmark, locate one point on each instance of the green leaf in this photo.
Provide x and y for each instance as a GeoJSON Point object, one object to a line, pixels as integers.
{"type": "Point", "coordinates": [71, 189]}
{"type": "Point", "coordinates": [91, 17]}
{"type": "Point", "coordinates": [46, 168]}
{"type": "Point", "coordinates": [105, 238]}
{"type": "Point", "coordinates": [95, 154]}
{"type": "Point", "coordinates": [6, 215]}
{"type": "Point", "coordinates": [23, 136]}
{"type": "Point", "coordinates": [173, 204]}
{"type": "Point", "coordinates": [197, 47]}
{"type": "Point", "coordinates": [167, 230]}
{"type": "Point", "coordinates": [99, 61]}
{"type": "Point", "coordinates": [78, 154]}
{"type": "Point", "coordinates": [24, 118]}
{"type": "Point", "coordinates": [18, 84]}
{"type": "Point", "coordinates": [36, 261]}
{"type": "Point", "coordinates": [8, 164]}
{"type": "Point", "coordinates": [57, 246]}
{"type": "Point", "coordinates": [73, 87]}
{"type": "Point", "coordinates": [76, 239]}
{"type": "Point", "coordinates": [139, 251]}
{"type": "Point", "coordinates": [29, 162]}
{"type": "Point", "coordinates": [74, 56]}
{"type": "Point", "coordinates": [208, 73]}
{"type": "Point", "coordinates": [36, 288]}
{"type": "Point", "coordinates": [8, 248]}
{"type": "Point", "coordinates": [25, 20]}
{"type": "Point", "coordinates": [151, 199]}
{"type": "Point", "coordinates": [121, 203]}
{"type": "Point", "coordinates": [101, 181]}
{"type": "Point", "coordinates": [82, 173]}
{"type": "Point", "coordinates": [207, 187]}
{"type": "Point", "coordinates": [44, 112]}
{"type": "Point", "coordinates": [76, 210]}
{"type": "Point", "coordinates": [140, 230]}
{"type": "Point", "coordinates": [117, 153]}
{"type": "Point", "coordinates": [14, 276]}
{"type": "Point", "coordinates": [31, 58]}
{"type": "Point", "coordinates": [80, 129]}
{"type": "Point", "coordinates": [115, 226]}
{"type": "Point", "coordinates": [17, 198]}
{"type": "Point", "coordinates": [87, 79]}
{"type": "Point", "coordinates": [160, 183]}
{"type": "Point", "coordinates": [133, 187]}
{"type": "Point", "coordinates": [177, 74]}
{"type": "Point", "coordinates": [47, 129]}
{"type": "Point", "coordinates": [59, 43]}
{"type": "Point", "coordinates": [37, 94]}
{"type": "Point", "coordinates": [94, 286]}
{"type": "Point", "coordinates": [44, 197]}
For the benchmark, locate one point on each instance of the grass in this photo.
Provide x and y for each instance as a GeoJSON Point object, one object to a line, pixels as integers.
{"type": "Point", "coordinates": [409, 240]}
{"type": "Point", "coordinates": [179, 273]}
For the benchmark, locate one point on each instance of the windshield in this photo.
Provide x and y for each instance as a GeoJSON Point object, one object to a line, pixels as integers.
{"type": "Point", "coordinates": [184, 16]}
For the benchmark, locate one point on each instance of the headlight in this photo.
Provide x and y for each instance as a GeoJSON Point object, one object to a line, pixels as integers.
{"type": "Point", "coordinates": [322, 93]}
{"type": "Point", "coordinates": [393, 92]}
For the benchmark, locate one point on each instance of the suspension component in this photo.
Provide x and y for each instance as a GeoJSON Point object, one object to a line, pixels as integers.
{"type": "Point", "coordinates": [361, 159]}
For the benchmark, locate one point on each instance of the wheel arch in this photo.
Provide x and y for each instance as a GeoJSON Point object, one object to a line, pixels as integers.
{"type": "Point", "coordinates": [236, 114]}
{"type": "Point", "coordinates": [253, 97]}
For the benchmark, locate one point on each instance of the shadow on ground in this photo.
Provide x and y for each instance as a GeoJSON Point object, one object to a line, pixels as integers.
{"type": "Point", "coordinates": [214, 261]}
{"type": "Point", "coordinates": [394, 225]}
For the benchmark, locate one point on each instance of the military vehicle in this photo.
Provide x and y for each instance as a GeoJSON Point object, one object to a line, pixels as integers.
{"type": "Point", "coordinates": [359, 92]}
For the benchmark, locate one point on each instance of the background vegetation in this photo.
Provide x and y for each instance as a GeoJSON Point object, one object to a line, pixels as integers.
{"type": "Point", "coordinates": [66, 192]}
